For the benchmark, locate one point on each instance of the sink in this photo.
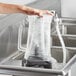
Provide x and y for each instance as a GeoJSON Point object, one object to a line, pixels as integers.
{"type": "Point", "coordinates": [13, 63]}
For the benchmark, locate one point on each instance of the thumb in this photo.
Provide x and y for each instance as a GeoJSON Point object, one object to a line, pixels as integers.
{"type": "Point", "coordinates": [40, 14]}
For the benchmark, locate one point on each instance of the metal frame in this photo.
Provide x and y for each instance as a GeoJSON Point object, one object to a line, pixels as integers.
{"type": "Point", "coordinates": [17, 70]}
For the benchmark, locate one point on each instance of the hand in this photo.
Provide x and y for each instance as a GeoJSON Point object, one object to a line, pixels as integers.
{"type": "Point", "coordinates": [38, 12]}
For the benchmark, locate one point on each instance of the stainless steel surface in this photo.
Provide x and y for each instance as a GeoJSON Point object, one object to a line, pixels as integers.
{"type": "Point", "coordinates": [8, 40]}
{"type": "Point", "coordinates": [16, 70]}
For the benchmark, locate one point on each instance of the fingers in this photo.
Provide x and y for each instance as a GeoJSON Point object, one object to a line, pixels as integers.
{"type": "Point", "coordinates": [41, 12]}
{"type": "Point", "coordinates": [48, 12]}
{"type": "Point", "coordinates": [38, 12]}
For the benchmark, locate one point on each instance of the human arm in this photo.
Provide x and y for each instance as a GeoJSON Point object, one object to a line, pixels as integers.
{"type": "Point", "coordinates": [13, 8]}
